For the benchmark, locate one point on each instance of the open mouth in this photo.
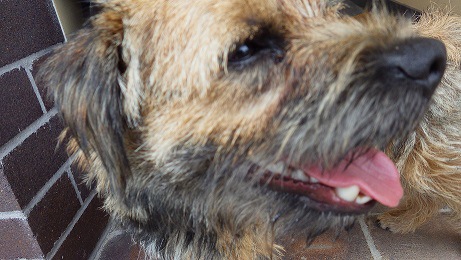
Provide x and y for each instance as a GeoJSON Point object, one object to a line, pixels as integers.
{"type": "Point", "coordinates": [353, 186]}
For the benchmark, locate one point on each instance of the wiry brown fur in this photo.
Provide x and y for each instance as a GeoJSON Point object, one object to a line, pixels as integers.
{"type": "Point", "coordinates": [430, 160]}
{"type": "Point", "coordinates": [171, 128]}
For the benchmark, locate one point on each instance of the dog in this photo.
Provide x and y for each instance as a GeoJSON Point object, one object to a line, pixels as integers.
{"type": "Point", "coordinates": [213, 128]}
{"type": "Point", "coordinates": [430, 159]}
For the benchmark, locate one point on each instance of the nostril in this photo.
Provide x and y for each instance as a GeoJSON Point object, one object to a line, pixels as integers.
{"type": "Point", "coordinates": [421, 71]}
{"type": "Point", "coordinates": [418, 62]}
{"type": "Point", "coordinates": [438, 66]}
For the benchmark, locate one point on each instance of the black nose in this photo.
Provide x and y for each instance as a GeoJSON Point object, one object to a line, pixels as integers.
{"type": "Point", "coordinates": [417, 62]}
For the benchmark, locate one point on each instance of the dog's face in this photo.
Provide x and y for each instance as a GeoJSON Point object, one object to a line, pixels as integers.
{"type": "Point", "coordinates": [214, 122]}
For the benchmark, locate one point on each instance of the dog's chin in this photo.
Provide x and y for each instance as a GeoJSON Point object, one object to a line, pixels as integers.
{"type": "Point", "coordinates": [302, 216]}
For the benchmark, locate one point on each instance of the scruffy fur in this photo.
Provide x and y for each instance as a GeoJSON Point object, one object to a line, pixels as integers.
{"type": "Point", "coordinates": [430, 160]}
{"type": "Point", "coordinates": [170, 115]}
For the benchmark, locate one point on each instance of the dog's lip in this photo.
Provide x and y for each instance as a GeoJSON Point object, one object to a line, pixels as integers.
{"type": "Point", "coordinates": [315, 195]}
{"type": "Point", "coordinates": [371, 173]}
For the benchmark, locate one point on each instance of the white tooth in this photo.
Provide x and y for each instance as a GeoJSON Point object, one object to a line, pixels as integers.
{"type": "Point", "coordinates": [348, 193]}
{"type": "Point", "coordinates": [314, 180]}
{"type": "Point", "coordinates": [300, 176]}
{"type": "Point", "coordinates": [362, 199]}
{"type": "Point", "coordinates": [276, 167]}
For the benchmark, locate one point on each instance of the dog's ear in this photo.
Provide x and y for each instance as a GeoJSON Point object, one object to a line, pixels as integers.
{"type": "Point", "coordinates": [85, 76]}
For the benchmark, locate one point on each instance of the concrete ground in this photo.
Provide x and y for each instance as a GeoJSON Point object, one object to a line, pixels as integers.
{"type": "Point", "coordinates": [367, 241]}
{"type": "Point", "coordinates": [434, 240]}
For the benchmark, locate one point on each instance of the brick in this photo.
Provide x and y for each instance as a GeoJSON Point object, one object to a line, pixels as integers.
{"type": "Point", "coordinates": [51, 216]}
{"type": "Point", "coordinates": [392, 6]}
{"type": "Point", "coordinates": [8, 200]}
{"type": "Point", "coordinates": [29, 166]}
{"type": "Point", "coordinates": [351, 9]}
{"type": "Point", "coordinates": [17, 240]}
{"type": "Point", "coordinates": [42, 88]}
{"type": "Point", "coordinates": [84, 236]}
{"type": "Point", "coordinates": [19, 104]}
{"type": "Point", "coordinates": [27, 27]}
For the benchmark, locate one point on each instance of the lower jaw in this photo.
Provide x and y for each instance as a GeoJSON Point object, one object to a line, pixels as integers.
{"type": "Point", "coordinates": [316, 196]}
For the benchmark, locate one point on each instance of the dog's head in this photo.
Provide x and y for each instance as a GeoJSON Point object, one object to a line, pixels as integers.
{"type": "Point", "coordinates": [207, 121]}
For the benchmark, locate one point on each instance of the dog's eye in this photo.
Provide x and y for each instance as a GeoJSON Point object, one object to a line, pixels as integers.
{"type": "Point", "coordinates": [246, 53]}
{"type": "Point", "coordinates": [241, 53]}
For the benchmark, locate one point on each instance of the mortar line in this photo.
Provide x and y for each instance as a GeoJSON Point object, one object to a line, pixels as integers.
{"type": "Point", "coordinates": [42, 192]}
{"type": "Point", "coordinates": [24, 134]}
{"type": "Point", "coordinates": [445, 210]}
{"type": "Point", "coordinates": [37, 92]}
{"type": "Point", "coordinates": [10, 67]}
{"type": "Point", "coordinates": [74, 184]}
{"type": "Point", "coordinates": [70, 227]}
{"type": "Point", "coordinates": [371, 244]}
{"type": "Point", "coordinates": [17, 214]}
{"type": "Point", "coordinates": [106, 236]}
{"type": "Point", "coordinates": [24, 62]}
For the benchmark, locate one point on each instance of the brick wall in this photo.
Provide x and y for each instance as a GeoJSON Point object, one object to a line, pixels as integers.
{"type": "Point", "coordinates": [45, 211]}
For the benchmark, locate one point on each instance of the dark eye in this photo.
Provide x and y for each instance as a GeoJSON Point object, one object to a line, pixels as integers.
{"type": "Point", "coordinates": [262, 46]}
{"type": "Point", "coordinates": [241, 53]}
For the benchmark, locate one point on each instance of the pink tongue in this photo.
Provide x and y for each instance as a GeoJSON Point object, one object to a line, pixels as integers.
{"type": "Point", "coordinates": [373, 172]}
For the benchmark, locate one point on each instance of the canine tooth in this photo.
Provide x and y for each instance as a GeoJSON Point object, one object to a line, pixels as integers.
{"type": "Point", "coordinates": [300, 176]}
{"type": "Point", "coordinates": [348, 193]}
{"type": "Point", "coordinates": [314, 180]}
{"type": "Point", "coordinates": [362, 199]}
{"type": "Point", "coordinates": [276, 167]}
